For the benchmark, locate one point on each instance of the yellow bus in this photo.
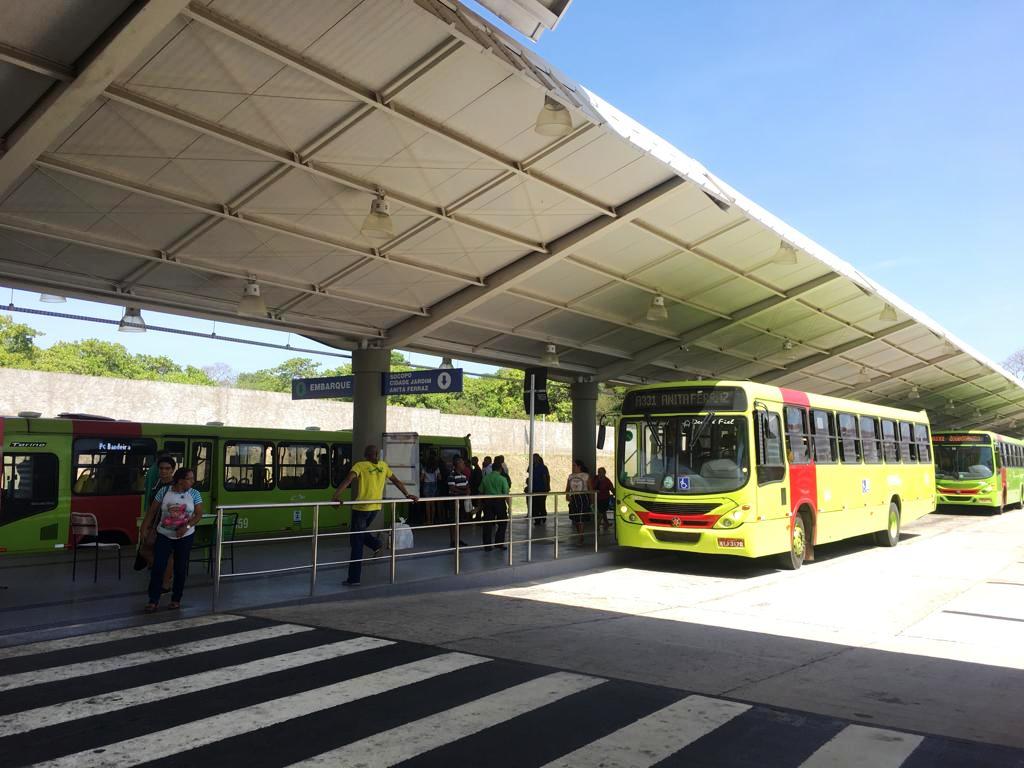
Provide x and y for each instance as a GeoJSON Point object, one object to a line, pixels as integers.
{"type": "Point", "coordinates": [739, 468]}
{"type": "Point", "coordinates": [979, 469]}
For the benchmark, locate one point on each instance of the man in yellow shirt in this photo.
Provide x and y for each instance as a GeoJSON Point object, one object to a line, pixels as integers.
{"type": "Point", "coordinates": [372, 474]}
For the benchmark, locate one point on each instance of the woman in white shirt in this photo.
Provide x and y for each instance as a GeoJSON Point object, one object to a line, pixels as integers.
{"type": "Point", "coordinates": [175, 511]}
{"type": "Point", "coordinates": [577, 487]}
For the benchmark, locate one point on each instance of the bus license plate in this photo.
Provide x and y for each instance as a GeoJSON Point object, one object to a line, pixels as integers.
{"type": "Point", "coordinates": [731, 543]}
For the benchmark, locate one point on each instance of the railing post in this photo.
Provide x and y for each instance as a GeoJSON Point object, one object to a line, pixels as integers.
{"type": "Point", "coordinates": [529, 529]}
{"type": "Point", "coordinates": [219, 545]}
{"type": "Point", "coordinates": [394, 541]}
{"type": "Point", "coordinates": [556, 526]}
{"type": "Point", "coordinates": [316, 534]}
{"type": "Point", "coordinates": [595, 520]}
{"type": "Point", "coordinates": [509, 529]}
{"type": "Point", "coordinates": [458, 534]}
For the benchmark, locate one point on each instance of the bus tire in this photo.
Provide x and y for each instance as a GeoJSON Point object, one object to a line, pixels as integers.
{"type": "Point", "coordinates": [890, 537]}
{"type": "Point", "coordinates": [792, 560]}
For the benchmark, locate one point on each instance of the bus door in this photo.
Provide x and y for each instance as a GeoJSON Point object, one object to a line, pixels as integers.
{"type": "Point", "coordinates": [770, 474]}
{"type": "Point", "coordinates": [196, 453]}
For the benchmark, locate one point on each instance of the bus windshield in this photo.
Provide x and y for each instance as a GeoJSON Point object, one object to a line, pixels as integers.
{"type": "Point", "coordinates": [674, 455]}
{"type": "Point", "coordinates": [963, 462]}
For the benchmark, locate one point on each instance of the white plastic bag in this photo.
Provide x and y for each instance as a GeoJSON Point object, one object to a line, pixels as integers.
{"type": "Point", "coordinates": [403, 535]}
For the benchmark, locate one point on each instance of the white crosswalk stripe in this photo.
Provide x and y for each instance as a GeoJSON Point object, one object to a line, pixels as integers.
{"type": "Point", "coordinates": [246, 698]}
{"type": "Point", "coordinates": [80, 641]}
{"type": "Point", "coordinates": [43, 717]}
{"type": "Point", "coordinates": [653, 738]}
{"type": "Point", "coordinates": [171, 741]}
{"type": "Point", "coordinates": [51, 674]}
{"type": "Point", "coordinates": [406, 741]}
{"type": "Point", "coordinates": [858, 746]}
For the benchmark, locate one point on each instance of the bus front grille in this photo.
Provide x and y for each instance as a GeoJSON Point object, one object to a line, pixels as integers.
{"type": "Point", "coordinates": [676, 537]}
{"type": "Point", "coordinates": [676, 508]}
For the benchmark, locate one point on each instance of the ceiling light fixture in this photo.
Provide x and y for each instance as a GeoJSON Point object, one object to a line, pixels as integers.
{"type": "Point", "coordinates": [657, 312]}
{"type": "Point", "coordinates": [252, 303]}
{"type": "Point", "coordinates": [888, 313]}
{"type": "Point", "coordinates": [915, 393]}
{"type": "Point", "coordinates": [786, 254]}
{"type": "Point", "coordinates": [446, 364]}
{"type": "Point", "coordinates": [378, 225]}
{"type": "Point", "coordinates": [131, 321]}
{"type": "Point", "coordinates": [51, 298]}
{"type": "Point", "coordinates": [550, 356]}
{"type": "Point", "coordinates": [949, 406]}
{"type": "Point", "coordinates": [553, 119]}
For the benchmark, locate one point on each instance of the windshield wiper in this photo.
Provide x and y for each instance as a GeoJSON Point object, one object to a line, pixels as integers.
{"type": "Point", "coordinates": [654, 433]}
{"type": "Point", "coordinates": [701, 427]}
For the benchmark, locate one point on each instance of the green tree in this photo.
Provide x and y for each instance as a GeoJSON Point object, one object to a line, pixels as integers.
{"type": "Point", "coordinates": [17, 343]}
{"type": "Point", "coordinates": [89, 357]}
{"type": "Point", "coordinates": [279, 378]}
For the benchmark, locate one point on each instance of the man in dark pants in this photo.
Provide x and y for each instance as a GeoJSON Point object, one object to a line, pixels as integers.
{"type": "Point", "coordinates": [372, 474]}
{"type": "Point", "coordinates": [495, 509]}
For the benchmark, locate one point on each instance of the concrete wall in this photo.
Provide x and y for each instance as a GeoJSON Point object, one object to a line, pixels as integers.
{"type": "Point", "coordinates": [53, 393]}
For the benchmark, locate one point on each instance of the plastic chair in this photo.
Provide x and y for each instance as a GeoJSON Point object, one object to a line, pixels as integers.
{"type": "Point", "coordinates": [206, 544]}
{"type": "Point", "coordinates": [85, 524]}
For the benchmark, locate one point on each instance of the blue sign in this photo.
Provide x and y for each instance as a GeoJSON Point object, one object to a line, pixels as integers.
{"type": "Point", "coordinates": [684, 483]}
{"type": "Point", "coordinates": [325, 386]}
{"type": "Point", "coordinates": [435, 382]}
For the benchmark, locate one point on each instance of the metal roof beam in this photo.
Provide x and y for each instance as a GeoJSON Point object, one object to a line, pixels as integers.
{"type": "Point", "coordinates": [63, 103]}
{"type": "Point", "coordinates": [227, 213]}
{"type": "Point", "coordinates": [523, 332]}
{"type": "Point", "coordinates": [368, 96]}
{"type": "Point", "coordinates": [431, 345]}
{"type": "Point", "coordinates": [92, 288]}
{"type": "Point", "coordinates": [295, 160]}
{"type": "Point", "coordinates": [158, 257]}
{"type": "Point", "coordinates": [656, 351]}
{"type": "Point", "coordinates": [33, 63]}
{"type": "Point", "coordinates": [529, 265]}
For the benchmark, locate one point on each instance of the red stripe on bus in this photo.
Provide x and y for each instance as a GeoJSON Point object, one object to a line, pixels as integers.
{"type": "Point", "coordinates": [113, 513]}
{"type": "Point", "coordinates": [803, 478]}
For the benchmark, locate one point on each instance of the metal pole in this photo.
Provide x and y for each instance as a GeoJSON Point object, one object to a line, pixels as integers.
{"type": "Point", "coordinates": [529, 481]}
{"type": "Point", "coordinates": [529, 530]}
{"type": "Point", "coordinates": [216, 563]}
{"type": "Point", "coordinates": [458, 533]}
{"type": "Point", "coordinates": [556, 526]}
{"type": "Point", "coordinates": [511, 533]}
{"type": "Point", "coordinates": [316, 533]}
{"type": "Point", "coordinates": [394, 557]}
{"type": "Point", "coordinates": [595, 520]}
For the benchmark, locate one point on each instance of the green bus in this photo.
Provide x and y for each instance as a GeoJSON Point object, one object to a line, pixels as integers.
{"type": "Point", "coordinates": [82, 463]}
{"type": "Point", "coordinates": [979, 469]}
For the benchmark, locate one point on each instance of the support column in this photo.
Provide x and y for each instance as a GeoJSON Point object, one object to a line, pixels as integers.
{"type": "Point", "coordinates": [369, 406]}
{"type": "Point", "coordinates": [584, 422]}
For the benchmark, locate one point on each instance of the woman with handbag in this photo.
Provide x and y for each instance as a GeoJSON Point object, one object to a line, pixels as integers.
{"type": "Point", "coordinates": [177, 508]}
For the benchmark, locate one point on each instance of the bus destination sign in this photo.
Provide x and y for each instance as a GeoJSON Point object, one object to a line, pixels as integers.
{"type": "Point", "coordinates": [961, 439]}
{"type": "Point", "coordinates": [684, 400]}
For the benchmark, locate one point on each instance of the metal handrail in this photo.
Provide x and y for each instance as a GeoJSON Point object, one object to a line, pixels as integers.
{"type": "Point", "coordinates": [457, 523]}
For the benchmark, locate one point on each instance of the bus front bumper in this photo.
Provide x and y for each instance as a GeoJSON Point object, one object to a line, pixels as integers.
{"type": "Point", "coordinates": [752, 539]}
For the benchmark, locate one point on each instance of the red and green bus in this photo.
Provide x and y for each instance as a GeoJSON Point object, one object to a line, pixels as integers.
{"type": "Point", "coordinates": [979, 469]}
{"type": "Point", "coordinates": [80, 463]}
{"type": "Point", "coordinates": [739, 468]}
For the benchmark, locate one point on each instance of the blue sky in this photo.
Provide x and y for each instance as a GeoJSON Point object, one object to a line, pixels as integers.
{"type": "Point", "coordinates": [891, 133]}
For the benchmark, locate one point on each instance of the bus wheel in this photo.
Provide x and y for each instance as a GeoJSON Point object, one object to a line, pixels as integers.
{"type": "Point", "coordinates": [890, 537]}
{"type": "Point", "coordinates": [793, 559]}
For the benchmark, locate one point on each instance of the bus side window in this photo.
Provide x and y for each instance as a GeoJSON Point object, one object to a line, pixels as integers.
{"type": "Point", "coordinates": [908, 452]}
{"type": "Point", "coordinates": [823, 424]}
{"type": "Point", "coordinates": [770, 466]}
{"type": "Point", "coordinates": [870, 440]}
{"type": "Point", "coordinates": [924, 444]}
{"type": "Point", "coordinates": [797, 439]}
{"type": "Point", "coordinates": [889, 450]}
{"type": "Point", "coordinates": [849, 445]}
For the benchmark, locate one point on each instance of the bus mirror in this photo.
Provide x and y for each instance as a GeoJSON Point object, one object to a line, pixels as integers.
{"type": "Point", "coordinates": [601, 430]}
{"type": "Point", "coordinates": [627, 435]}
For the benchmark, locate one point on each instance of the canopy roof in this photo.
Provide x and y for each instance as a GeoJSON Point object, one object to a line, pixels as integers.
{"type": "Point", "coordinates": [161, 154]}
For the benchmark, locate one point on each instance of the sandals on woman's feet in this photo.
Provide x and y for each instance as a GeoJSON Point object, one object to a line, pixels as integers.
{"type": "Point", "coordinates": [175, 605]}
{"type": "Point", "coordinates": [150, 608]}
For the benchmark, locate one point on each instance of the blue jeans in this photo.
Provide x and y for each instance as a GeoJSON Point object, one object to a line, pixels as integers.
{"type": "Point", "coordinates": [360, 522]}
{"type": "Point", "coordinates": [162, 550]}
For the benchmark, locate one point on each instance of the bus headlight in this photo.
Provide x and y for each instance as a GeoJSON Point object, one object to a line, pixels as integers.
{"type": "Point", "coordinates": [628, 515]}
{"type": "Point", "coordinates": [987, 488]}
{"type": "Point", "coordinates": [730, 519]}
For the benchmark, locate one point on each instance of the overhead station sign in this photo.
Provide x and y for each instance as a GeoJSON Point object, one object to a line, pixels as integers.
{"type": "Point", "coordinates": [438, 381]}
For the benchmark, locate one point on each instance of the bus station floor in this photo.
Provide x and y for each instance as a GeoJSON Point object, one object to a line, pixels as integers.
{"type": "Point", "coordinates": [37, 594]}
